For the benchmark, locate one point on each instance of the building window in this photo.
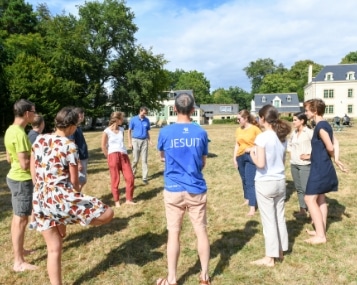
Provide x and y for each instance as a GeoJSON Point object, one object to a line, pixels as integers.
{"type": "Point", "coordinates": [225, 109]}
{"type": "Point", "coordinates": [171, 111]}
{"type": "Point", "coordinates": [350, 75]}
{"type": "Point", "coordinates": [328, 93]}
{"type": "Point", "coordinates": [264, 99]}
{"type": "Point", "coordinates": [350, 93]}
{"type": "Point", "coordinates": [350, 109]}
{"type": "Point", "coordinates": [288, 99]}
{"type": "Point", "coordinates": [194, 113]}
{"type": "Point", "coordinates": [277, 103]}
{"type": "Point", "coordinates": [328, 76]}
{"type": "Point", "coordinates": [329, 109]}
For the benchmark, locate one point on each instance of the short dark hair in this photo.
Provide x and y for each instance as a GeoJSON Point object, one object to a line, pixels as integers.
{"type": "Point", "coordinates": [184, 103]}
{"type": "Point", "coordinates": [301, 116]}
{"type": "Point", "coordinates": [22, 106]}
{"type": "Point", "coordinates": [143, 108]}
{"type": "Point", "coordinates": [66, 117]}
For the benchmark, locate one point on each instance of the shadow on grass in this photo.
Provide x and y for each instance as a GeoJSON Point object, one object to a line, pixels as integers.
{"type": "Point", "coordinates": [336, 211]}
{"type": "Point", "coordinates": [229, 244]}
{"type": "Point", "coordinates": [290, 189]}
{"type": "Point", "coordinates": [5, 202]}
{"type": "Point", "coordinates": [139, 250]}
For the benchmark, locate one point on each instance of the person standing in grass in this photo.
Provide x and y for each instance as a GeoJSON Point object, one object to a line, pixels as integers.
{"type": "Point", "coordinates": [82, 147]}
{"type": "Point", "coordinates": [118, 159]}
{"type": "Point", "coordinates": [245, 136]}
{"type": "Point", "coordinates": [139, 140]}
{"type": "Point", "coordinates": [323, 177]}
{"type": "Point", "coordinates": [269, 158]}
{"type": "Point", "coordinates": [57, 200]}
{"type": "Point", "coordinates": [184, 148]}
{"type": "Point", "coordinates": [299, 147]}
{"type": "Point", "coordinates": [18, 149]}
{"type": "Point", "coordinates": [38, 126]}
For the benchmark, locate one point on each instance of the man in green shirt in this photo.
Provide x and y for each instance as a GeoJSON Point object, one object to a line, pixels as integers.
{"type": "Point", "coordinates": [18, 152]}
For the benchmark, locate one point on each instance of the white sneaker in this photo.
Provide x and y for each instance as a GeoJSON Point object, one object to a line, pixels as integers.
{"type": "Point", "coordinates": [32, 226]}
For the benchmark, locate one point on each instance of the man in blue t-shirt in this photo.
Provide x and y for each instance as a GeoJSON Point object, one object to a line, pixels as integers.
{"type": "Point", "coordinates": [138, 140]}
{"type": "Point", "coordinates": [184, 147]}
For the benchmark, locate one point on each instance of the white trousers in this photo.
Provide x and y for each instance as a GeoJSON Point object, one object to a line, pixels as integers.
{"type": "Point", "coordinates": [271, 204]}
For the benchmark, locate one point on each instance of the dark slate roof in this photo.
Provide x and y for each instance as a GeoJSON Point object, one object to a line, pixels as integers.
{"type": "Point", "coordinates": [216, 109]}
{"type": "Point", "coordinates": [286, 107]}
{"type": "Point", "coordinates": [339, 72]}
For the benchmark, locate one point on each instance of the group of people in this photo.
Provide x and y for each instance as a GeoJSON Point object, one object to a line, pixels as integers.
{"type": "Point", "coordinates": [45, 177]}
{"type": "Point", "coordinates": [260, 158]}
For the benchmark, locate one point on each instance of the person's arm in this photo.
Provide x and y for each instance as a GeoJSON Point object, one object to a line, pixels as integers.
{"type": "Point", "coordinates": [149, 140]}
{"type": "Point", "coordinates": [24, 160]}
{"type": "Point", "coordinates": [32, 168]}
{"type": "Point", "coordinates": [8, 157]}
{"type": "Point", "coordinates": [258, 156]}
{"type": "Point", "coordinates": [236, 147]}
{"type": "Point", "coordinates": [336, 146]}
{"type": "Point", "coordinates": [104, 144]}
{"type": "Point", "coordinates": [162, 156]}
{"type": "Point", "coordinates": [130, 144]}
{"type": "Point", "coordinates": [73, 176]}
{"type": "Point", "coordinates": [204, 158]}
{"type": "Point", "coordinates": [327, 142]}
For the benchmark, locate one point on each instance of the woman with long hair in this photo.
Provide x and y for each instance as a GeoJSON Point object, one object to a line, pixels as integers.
{"type": "Point", "coordinates": [118, 160]}
{"type": "Point", "coordinates": [245, 136]}
{"type": "Point", "coordinates": [269, 158]}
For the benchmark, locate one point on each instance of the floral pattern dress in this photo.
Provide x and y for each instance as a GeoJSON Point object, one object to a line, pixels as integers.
{"type": "Point", "coordinates": [54, 199]}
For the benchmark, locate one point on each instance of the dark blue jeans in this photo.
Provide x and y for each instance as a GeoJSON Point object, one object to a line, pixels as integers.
{"type": "Point", "coordinates": [246, 169]}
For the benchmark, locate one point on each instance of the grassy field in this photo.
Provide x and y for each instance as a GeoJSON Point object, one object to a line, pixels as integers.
{"type": "Point", "coordinates": [131, 250]}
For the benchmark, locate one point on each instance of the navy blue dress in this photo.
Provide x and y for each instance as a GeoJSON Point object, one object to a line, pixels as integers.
{"type": "Point", "coordinates": [322, 178]}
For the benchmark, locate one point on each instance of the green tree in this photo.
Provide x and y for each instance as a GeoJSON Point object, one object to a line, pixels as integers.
{"type": "Point", "coordinates": [192, 80]}
{"type": "Point", "coordinates": [350, 58]}
{"type": "Point", "coordinates": [17, 17]}
{"type": "Point", "coordinates": [257, 70]}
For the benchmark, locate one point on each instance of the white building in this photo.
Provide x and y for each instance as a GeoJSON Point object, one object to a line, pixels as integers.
{"type": "Point", "coordinates": [337, 86]}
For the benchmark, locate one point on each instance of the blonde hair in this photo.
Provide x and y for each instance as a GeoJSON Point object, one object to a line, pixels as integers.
{"type": "Point", "coordinates": [248, 116]}
{"type": "Point", "coordinates": [115, 116]}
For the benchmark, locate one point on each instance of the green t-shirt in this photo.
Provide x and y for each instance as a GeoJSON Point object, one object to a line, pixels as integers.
{"type": "Point", "coordinates": [16, 141]}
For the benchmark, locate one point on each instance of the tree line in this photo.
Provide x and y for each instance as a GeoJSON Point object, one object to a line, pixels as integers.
{"type": "Point", "coordinates": [92, 60]}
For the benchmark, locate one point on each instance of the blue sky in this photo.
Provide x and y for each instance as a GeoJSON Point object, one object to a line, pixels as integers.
{"type": "Point", "coordinates": [220, 38]}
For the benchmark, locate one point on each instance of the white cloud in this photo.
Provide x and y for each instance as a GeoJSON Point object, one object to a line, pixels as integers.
{"type": "Point", "coordinates": [220, 38]}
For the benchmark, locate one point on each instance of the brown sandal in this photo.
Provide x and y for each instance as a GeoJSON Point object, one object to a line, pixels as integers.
{"type": "Point", "coordinates": [163, 281]}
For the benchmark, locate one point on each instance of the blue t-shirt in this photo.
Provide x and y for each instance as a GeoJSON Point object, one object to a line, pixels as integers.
{"type": "Point", "coordinates": [139, 127]}
{"type": "Point", "coordinates": [184, 146]}
{"type": "Point", "coordinates": [81, 143]}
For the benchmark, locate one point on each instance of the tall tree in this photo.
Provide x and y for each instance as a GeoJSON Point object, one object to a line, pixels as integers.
{"type": "Point", "coordinates": [257, 70]}
{"type": "Point", "coordinates": [17, 17]}
{"type": "Point", "coordinates": [109, 31]}
{"type": "Point", "coordinates": [350, 57]}
{"type": "Point", "coordinates": [193, 80]}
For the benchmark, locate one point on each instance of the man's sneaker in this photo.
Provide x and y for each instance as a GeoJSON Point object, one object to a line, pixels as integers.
{"type": "Point", "coordinates": [32, 226]}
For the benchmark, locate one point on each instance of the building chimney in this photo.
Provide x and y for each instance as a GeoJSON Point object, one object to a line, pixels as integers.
{"type": "Point", "coordinates": [309, 78]}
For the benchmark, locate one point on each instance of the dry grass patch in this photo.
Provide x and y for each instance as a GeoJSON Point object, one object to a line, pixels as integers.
{"type": "Point", "coordinates": [132, 248]}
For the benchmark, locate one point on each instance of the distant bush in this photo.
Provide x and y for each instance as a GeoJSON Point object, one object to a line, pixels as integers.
{"type": "Point", "coordinates": [287, 118]}
{"type": "Point", "coordinates": [232, 121]}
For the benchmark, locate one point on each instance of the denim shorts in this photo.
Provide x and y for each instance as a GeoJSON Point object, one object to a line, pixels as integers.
{"type": "Point", "coordinates": [21, 196]}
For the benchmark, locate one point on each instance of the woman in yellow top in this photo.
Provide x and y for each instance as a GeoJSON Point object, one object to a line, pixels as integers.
{"type": "Point", "coordinates": [245, 136]}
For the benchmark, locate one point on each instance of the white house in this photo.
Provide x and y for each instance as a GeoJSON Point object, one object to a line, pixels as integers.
{"type": "Point", "coordinates": [337, 86]}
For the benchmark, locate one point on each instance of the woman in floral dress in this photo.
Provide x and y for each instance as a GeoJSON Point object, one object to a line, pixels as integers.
{"type": "Point", "coordinates": [56, 198]}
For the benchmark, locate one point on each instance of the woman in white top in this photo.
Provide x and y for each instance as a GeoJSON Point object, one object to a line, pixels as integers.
{"type": "Point", "coordinates": [269, 158]}
{"type": "Point", "coordinates": [299, 146]}
{"type": "Point", "coordinates": [117, 156]}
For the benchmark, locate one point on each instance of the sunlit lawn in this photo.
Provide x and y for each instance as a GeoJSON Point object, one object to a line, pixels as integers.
{"type": "Point", "coordinates": [132, 248]}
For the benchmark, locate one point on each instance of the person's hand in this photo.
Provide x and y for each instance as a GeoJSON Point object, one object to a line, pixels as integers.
{"type": "Point", "coordinates": [130, 146]}
{"type": "Point", "coordinates": [80, 167]}
{"type": "Point", "coordinates": [341, 166]}
{"type": "Point", "coordinates": [235, 162]}
{"type": "Point", "coordinates": [305, 157]}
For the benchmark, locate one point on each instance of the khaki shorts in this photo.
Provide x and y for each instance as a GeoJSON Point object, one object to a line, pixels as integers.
{"type": "Point", "coordinates": [177, 203]}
